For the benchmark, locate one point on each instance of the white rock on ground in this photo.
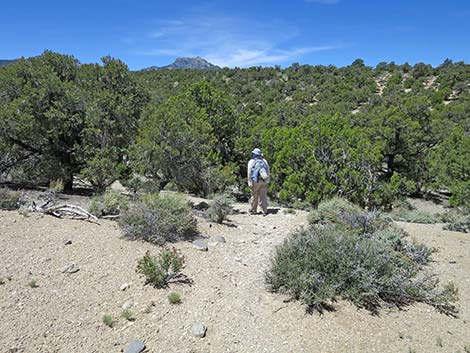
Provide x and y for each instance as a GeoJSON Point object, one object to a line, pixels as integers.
{"type": "Point", "coordinates": [127, 305]}
{"type": "Point", "coordinates": [199, 330]}
{"type": "Point", "coordinates": [135, 346]}
{"type": "Point", "coordinates": [71, 268]}
{"type": "Point", "coordinates": [200, 244]}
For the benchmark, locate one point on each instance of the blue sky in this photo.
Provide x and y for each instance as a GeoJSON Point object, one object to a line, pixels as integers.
{"type": "Point", "coordinates": [239, 33]}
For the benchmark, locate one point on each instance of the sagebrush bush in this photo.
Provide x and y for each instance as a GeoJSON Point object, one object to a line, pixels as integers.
{"type": "Point", "coordinates": [369, 264]}
{"type": "Point", "coordinates": [413, 216]}
{"type": "Point", "coordinates": [159, 219]}
{"type": "Point", "coordinates": [220, 207]}
{"type": "Point", "coordinates": [9, 200]}
{"type": "Point", "coordinates": [459, 224]}
{"type": "Point", "coordinates": [109, 203]}
{"type": "Point", "coordinates": [331, 210]}
{"type": "Point", "coordinates": [159, 270]}
{"type": "Point", "coordinates": [342, 212]}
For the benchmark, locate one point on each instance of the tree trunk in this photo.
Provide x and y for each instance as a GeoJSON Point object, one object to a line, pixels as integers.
{"type": "Point", "coordinates": [68, 183]}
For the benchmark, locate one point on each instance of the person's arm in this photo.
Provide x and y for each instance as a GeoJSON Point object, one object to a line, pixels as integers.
{"type": "Point", "coordinates": [269, 172]}
{"type": "Point", "coordinates": [250, 167]}
{"type": "Point", "coordinates": [267, 167]}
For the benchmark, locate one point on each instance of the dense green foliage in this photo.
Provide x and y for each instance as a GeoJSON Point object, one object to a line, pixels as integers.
{"type": "Point", "coordinates": [60, 119]}
{"type": "Point", "coordinates": [367, 134]}
{"type": "Point", "coordinates": [357, 256]}
{"type": "Point", "coordinates": [187, 139]}
{"type": "Point", "coordinates": [371, 135]}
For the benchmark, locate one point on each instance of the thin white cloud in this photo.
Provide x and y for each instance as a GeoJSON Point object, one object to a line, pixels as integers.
{"type": "Point", "coordinates": [226, 41]}
{"type": "Point", "coordinates": [246, 57]}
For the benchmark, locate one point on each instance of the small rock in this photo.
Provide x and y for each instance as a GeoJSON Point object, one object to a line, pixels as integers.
{"type": "Point", "coordinates": [200, 245]}
{"type": "Point", "coordinates": [217, 239]}
{"type": "Point", "coordinates": [68, 242]}
{"type": "Point", "coordinates": [199, 330]}
{"type": "Point", "coordinates": [72, 268]}
{"type": "Point", "coordinates": [127, 305]}
{"type": "Point", "coordinates": [136, 346]}
{"type": "Point", "coordinates": [124, 286]}
{"type": "Point", "coordinates": [452, 262]}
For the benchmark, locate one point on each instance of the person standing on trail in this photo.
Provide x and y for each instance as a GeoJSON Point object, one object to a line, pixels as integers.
{"type": "Point", "coordinates": [258, 179]}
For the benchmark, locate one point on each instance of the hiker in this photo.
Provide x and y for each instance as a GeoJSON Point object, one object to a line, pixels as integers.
{"type": "Point", "coordinates": [258, 179]}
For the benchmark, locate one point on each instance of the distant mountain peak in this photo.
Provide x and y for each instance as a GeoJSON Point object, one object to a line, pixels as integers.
{"type": "Point", "coordinates": [186, 63]}
{"type": "Point", "coordinates": [7, 62]}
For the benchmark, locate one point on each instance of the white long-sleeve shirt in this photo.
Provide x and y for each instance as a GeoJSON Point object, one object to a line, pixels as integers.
{"type": "Point", "coordinates": [251, 162]}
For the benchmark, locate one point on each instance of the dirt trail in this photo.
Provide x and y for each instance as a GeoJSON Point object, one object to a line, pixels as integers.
{"type": "Point", "coordinates": [228, 294]}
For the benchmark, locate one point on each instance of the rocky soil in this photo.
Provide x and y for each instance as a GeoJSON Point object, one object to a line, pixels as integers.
{"type": "Point", "coordinates": [64, 311]}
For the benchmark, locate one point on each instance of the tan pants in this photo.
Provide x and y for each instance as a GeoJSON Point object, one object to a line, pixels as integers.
{"type": "Point", "coordinates": [259, 194]}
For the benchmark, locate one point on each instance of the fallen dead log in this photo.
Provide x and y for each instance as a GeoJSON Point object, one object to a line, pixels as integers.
{"type": "Point", "coordinates": [111, 216]}
{"type": "Point", "coordinates": [65, 210]}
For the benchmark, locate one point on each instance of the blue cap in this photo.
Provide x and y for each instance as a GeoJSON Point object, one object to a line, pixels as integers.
{"type": "Point", "coordinates": [256, 152]}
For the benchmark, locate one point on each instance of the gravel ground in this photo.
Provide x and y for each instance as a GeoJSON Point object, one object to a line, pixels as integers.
{"type": "Point", "coordinates": [64, 313]}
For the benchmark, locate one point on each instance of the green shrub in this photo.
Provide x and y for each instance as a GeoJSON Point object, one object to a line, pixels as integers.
{"type": "Point", "coordinates": [331, 210]}
{"type": "Point", "coordinates": [108, 320]}
{"type": "Point", "coordinates": [459, 224]}
{"type": "Point", "coordinates": [219, 179]}
{"type": "Point", "coordinates": [356, 256]}
{"type": "Point", "coordinates": [301, 205]}
{"type": "Point", "coordinates": [128, 315]}
{"type": "Point", "coordinates": [109, 203]}
{"type": "Point", "coordinates": [159, 270]}
{"type": "Point", "coordinates": [33, 283]}
{"type": "Point", "coordinates": [9, 200]}
{"type": "Point", "coordinates": [137, 184]}
{"type": "Point", "coordinates": [342, 212]}
{"type": "Point", "coordinates": [159, 219]}
{"type": "Point", "coordinates": [56, 186]}
{"type": "Point", "coordinates": [413, 216]}
{"type": "Point", "coordinates": [103, 166]}
{"type": "Point", "coordinates": [219, 209]}
{"type": "Point", "coordinates": [174, 298]}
